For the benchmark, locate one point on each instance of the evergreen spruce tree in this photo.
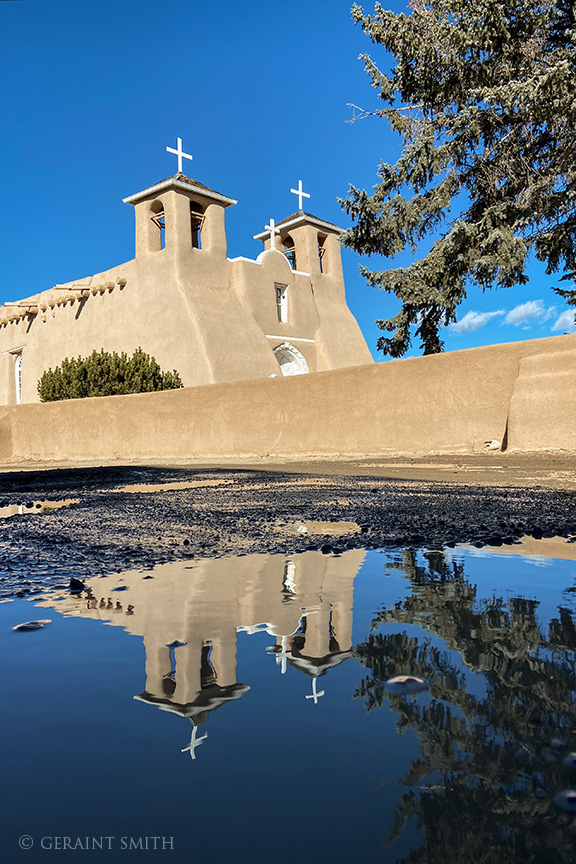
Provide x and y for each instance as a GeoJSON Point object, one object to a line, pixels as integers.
{"type": "Point", "coordinates": [483, 96]}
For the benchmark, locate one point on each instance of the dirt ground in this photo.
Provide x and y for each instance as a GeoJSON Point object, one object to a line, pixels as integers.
{"type": "Point", "coordinates": [555, 470]}
{"type": "Point", "coordinates": [121, 517]}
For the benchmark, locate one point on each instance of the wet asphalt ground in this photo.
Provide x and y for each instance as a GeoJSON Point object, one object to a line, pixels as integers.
{"type": "Point", "coordinates": [109, 530]}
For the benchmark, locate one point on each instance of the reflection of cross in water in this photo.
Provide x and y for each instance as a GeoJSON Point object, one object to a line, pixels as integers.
{"type": "Point", "coordinates": [282, 656]}
{"type": "Point", "coordinates": [194, 742]}
{"type": "Point", "coordinates": [314, 695]}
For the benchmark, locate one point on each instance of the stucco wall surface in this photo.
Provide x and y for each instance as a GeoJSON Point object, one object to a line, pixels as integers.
{"type": "Point", "coordinates": [543, 405]}
{"type": "Point", "coordinates": [445, 403]}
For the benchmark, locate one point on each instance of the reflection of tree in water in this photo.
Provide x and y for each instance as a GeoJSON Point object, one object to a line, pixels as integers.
{"type": "Point", "coordinates": [489, 764]}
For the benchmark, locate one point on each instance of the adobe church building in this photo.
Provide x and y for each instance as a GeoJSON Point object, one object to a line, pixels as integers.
{"type": "Point", "coordinates": [182, 300]}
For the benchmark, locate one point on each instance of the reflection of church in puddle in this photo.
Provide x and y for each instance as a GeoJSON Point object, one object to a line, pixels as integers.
{"type": "Point", "coordinates": [190, 616]}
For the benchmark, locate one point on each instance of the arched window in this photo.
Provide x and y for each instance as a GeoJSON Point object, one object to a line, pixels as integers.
{"type": "Point", "coordinates": [290, 360]}
{"type": "Point", "coordinates": [289, 250]}
{"type": "Point", "coordinates": [158, 219]}
{"type": "Point", "coordinates": [321, 251]}
{"type": "Point", "coordinates": [196, 220]}
{"type": "Point", "coordinates": [18, 378]}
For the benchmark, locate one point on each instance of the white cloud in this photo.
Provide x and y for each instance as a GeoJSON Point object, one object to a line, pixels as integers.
{"type": "Point", "coordinates": [565, 322]}
{"type": "Point", "coordinates": [523, 315]}
{"type": "Point", "coordinates": [528, 311]}
{"type": "Point", "coordinates": [473, 321]}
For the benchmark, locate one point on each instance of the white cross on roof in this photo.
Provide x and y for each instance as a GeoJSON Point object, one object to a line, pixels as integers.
{"type": "Point", "coordinates": [300, 194]}
{"type": "Point", "coordinates": [273, 230]}
{"type": "Point", "coordinates": [180, 153]}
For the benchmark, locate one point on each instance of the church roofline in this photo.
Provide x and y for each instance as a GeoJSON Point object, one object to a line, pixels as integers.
{"type": "Point", "coordinates": [314, 667]}
{"type": "Point", "coordinates": [208, 699]}
{"type": "Point", "coordinates": [185, 184]}
{"type": "Point", "coordinates": [297, 219]}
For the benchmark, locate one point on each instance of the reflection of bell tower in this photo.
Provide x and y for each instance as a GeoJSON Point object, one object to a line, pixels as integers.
{"type": "Point", "coordinates": [192, 678]}
{"type": "Point", "coordinates": [323, 636]}
{"type": "Point", "coordinates": [188, 689]}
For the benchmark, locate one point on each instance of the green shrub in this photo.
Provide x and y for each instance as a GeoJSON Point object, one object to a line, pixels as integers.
{"type": "Point", "coordinates": [105, 373]}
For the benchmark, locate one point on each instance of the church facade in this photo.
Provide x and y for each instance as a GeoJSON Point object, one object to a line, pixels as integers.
{"type": "Point", "coordinates": [182, 300]}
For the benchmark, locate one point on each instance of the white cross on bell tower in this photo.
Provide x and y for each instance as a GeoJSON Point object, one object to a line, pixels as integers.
{"type": "Point", "coordinates": [179, 153]}
{"type": "Point", "coordinates": [271, 228]}
{"type": "Point", "coordinates": [300, 194]}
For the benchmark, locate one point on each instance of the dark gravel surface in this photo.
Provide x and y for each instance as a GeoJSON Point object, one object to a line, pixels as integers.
{"type": "Point", "coordinates": [249, 512]}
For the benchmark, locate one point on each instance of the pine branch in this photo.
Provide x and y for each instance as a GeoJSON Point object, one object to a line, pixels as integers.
{"type": "Point", "coordinates": [482, 95]}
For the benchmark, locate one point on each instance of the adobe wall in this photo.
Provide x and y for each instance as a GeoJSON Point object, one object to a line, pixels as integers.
{"type": "Point", "coordinates": [543, 404]}
{"type": "Point", "coordinates": [452, 402]}
{"type": "Point", "coordinates": [184, 316]}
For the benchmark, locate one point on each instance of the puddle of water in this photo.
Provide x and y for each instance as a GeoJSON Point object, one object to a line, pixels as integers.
{"type": "Point", "coordinates": [546, 548]}
{"type": "Point", "coordinates": [34, 507]}
{"type": "Point", "coordinates": [176, 484]}
{"type": "Point", "coordinates": [228, 692]}
{"type": "Point", "coordinates": [333, 529]}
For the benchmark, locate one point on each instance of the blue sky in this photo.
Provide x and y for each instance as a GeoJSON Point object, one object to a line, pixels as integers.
{"type": "Point", "coordinates": [95, 91]}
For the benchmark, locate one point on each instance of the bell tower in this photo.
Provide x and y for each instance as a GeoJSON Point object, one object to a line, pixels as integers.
{"type": "Point", "coordinates": [314, 329]}
{"type": "Point", "coordinates": [179, 214]}
{"type": "Point", "coordinates": [310, 244]}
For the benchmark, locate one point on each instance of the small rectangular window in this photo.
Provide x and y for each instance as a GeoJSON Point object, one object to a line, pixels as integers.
{"type": "Point", "coordinates": [321, 251]}
{"type": "Point", "coordinates": [282, 302]}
